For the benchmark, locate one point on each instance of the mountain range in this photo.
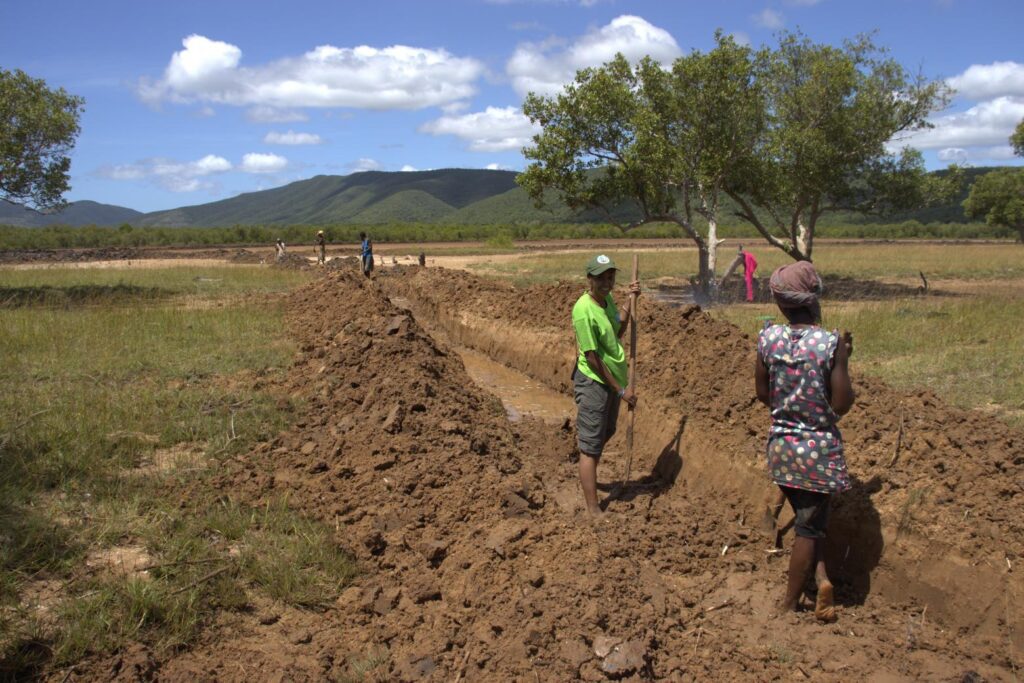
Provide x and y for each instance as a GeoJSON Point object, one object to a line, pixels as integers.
{"type": "Point", "coordinates": [450, 196]}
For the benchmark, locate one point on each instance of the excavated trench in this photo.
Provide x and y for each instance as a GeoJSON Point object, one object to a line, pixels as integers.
{"type": "Point", "coordinates": [464, 511]}
{"type": "Point", "coordinates": [963, 573]}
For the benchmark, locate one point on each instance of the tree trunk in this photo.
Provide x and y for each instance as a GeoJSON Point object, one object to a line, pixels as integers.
{"type": "Point", "coordinates": [804, 241]}
{"type": "Point", "coordinates": [712, 264]}
{"type": "Point", "coordinates": [705, 278]}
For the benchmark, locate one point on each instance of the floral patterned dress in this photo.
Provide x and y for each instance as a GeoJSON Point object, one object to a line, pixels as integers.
{"type": "Point", "coordinates": [805, 448]}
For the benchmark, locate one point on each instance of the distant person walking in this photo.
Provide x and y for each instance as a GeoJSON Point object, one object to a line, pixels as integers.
{"type": "Point", "coordinates": [749, 268]}
{"type": "Point", "coordinates": [280, 250]}
{"type": "Point", "coordinates": [423, 258]}
{"type": "Point", "coordinates": [321, 248]}
{"type": "Point", "coordinates": [600, 377]}
{"type": "Point", "coordinates": [802, 374]}
{"type": "Point", "coordinates": [366, 254]}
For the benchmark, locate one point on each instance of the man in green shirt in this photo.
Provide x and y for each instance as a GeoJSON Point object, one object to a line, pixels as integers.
{"type": "Point", "coordinates": [600, 378]}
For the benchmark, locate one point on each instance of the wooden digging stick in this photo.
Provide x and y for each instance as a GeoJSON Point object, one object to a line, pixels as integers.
{"type": "Point", "coordinates": [632, 370]}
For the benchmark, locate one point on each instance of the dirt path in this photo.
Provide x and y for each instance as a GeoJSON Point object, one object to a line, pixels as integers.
{"type": "Point", "coordinates": [479, 566]}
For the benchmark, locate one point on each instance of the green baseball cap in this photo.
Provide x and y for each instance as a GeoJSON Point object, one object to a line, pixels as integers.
{"type": "Point", "coordinates": [599, 264]}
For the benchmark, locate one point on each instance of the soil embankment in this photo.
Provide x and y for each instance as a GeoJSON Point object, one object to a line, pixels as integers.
{"type": "Point", "coordinates": [479, 566]}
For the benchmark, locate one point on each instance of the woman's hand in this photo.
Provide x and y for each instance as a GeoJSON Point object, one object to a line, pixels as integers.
{"type": "Point", "coordinates": [844, 349]}
{"type": "Point", "coordinates": [634, 287]}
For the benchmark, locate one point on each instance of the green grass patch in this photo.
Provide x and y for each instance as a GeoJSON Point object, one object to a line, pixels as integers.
{"type": "Point", "coordinates": [93, 392]}
{"type": "Point", "coordinates": [136, 284]}
{"type": "Point", "coordinates": [967, 349]}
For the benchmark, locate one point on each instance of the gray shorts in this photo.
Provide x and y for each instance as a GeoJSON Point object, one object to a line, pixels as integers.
{"type": "Point", "coordinates": [597, 411]}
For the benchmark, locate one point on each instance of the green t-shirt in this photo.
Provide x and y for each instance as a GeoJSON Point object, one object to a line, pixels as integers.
{"type": "Point", "coordinates": [597, 329]}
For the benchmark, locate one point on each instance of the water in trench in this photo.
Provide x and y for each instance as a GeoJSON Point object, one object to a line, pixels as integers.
{"type": "Point", "coordinates": [520, 394]}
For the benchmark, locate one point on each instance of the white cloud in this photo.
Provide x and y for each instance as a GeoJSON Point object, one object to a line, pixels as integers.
{"type": "Point", "coordinates": [999, 153]}
{"type": "Point", "coordinates": [741, 38]}
{"type": "Point", "coordinates": [802, 3]}
{"type": "Point", "coordinates": [407, 168]}
{"type": "Point", "coordinates": [544, 68]}
{"type": "Point", "coordinates": [497, 167]}
{"type": "Point", "coordinates": [396, 77]}
{"type": "Point", "coordinates": [255, 162]}
{"type": "Point", "coordinates": [364, 164]}
{"type": "Point", "coordinates": [176, 176]}
{"type": "Point", "coordinates": [263, 114]}
{"type": "Point", "coordinates": [768, 18]}
{"type": "Point", "coordinates": [987, 123]}
{"type": "Point", "coordinates": [985, 81]}
{"type": "Point", "coordinates": [495, 129]}
{"type": "Point", "coordinates": [291, 138]}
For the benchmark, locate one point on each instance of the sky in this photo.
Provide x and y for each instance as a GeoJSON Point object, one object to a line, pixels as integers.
{"type": "Point", "coordinates": [193, 101]}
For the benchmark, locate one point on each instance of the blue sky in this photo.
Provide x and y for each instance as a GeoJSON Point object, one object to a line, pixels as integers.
{"type": "Point", "coordinates": [192, 101]}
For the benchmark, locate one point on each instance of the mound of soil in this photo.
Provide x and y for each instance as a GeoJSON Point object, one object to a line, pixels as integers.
{"type": "Point", "coordinates": [68, 255]}
{"type": "Point", "coordinates": [291, 261]}
{"type": "Point", "coordinates": [247, 256]}
{"type": "Point", "coordinates": [478, 563]}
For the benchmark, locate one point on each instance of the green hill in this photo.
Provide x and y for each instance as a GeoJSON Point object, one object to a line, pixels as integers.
{"type": "Point", "coordinates": [446, 196]}
{"type": "Point", "coordinates": [75, 214]}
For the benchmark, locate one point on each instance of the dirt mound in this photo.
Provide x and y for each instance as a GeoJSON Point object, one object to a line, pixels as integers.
{"type": "Point", "coordinates": [68, 255]}
{"type": "Point", "coordinates": [247, 256]}
{"type": "Point", "coordinates": [477, 562]}
{"type": "Point", "coordinates": [343, 263]}
{"type": "Point", "coordinates": [292, 261]}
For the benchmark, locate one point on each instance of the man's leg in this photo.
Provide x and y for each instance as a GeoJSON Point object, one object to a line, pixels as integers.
{"type": "Point", "coordinates": [588, 481]}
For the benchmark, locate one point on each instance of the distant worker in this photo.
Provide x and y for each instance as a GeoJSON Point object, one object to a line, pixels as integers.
{"type": "Point", "coordinates": [280, 250]}
{"type": "Point", "coordinates": [802, 374]}
{"type": "Point", "coordinates": [423, 258]}
{"type": "Point", "coordinates": [321, 248]}
{"type": "Point", "coordinates": [600, 377]}
{"type": "Point", "coordinates": [749, 268]}
{"type": "Point", "coordinates": [366, 254]}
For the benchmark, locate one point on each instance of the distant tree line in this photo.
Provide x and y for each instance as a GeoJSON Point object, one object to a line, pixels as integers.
{"type": "Point", "coordinates": [57, 237]}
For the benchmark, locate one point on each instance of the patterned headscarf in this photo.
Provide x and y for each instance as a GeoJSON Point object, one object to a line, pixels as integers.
{"type": "Point", "coordinates": [796, 285]}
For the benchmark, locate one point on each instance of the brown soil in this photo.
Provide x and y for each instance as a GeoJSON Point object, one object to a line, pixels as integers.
{"type": "Point", "coordinates": [478, 564]}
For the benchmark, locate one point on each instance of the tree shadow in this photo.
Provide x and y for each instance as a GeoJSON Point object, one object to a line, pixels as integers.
{"type": "Point", "coordinates": [661, 477]}
{"type": "Point", "coordinates": [78, 295]}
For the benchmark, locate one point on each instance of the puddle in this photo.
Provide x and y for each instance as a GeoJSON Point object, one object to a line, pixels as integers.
{"type": "Point", "coordinates": [520, 394]}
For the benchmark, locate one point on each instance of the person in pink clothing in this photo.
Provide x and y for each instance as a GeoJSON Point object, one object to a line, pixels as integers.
{"type": "Point", "coordinates": [749, 268]}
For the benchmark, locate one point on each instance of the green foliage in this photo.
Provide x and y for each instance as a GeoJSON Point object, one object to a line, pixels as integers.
{"type": "Point", "coordinates": [829, 113]}
{"type": "Point", "coordinates": [38, 127]}
{"type": "Point", "coordinates": [999, 197]}
{"type": "Point", "coordinates": [1017, 139]}
{"type": "Point", "coordinates": [788, 133]}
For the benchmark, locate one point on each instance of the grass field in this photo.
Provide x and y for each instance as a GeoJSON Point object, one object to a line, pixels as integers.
{"type": "Point", "coordinates": [842, 259]}
{"type": "Point", "coordinates": [121, 394]}
{"type": "Point", "coordinates": [966, 347]}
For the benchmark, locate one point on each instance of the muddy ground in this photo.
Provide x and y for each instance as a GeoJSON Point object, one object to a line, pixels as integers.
{"type": "Point", "coordinates": [479, 565]}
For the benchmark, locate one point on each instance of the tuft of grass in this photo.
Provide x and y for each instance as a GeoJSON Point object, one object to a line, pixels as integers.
{"type": "Point", "coordinates": [295, 560]}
